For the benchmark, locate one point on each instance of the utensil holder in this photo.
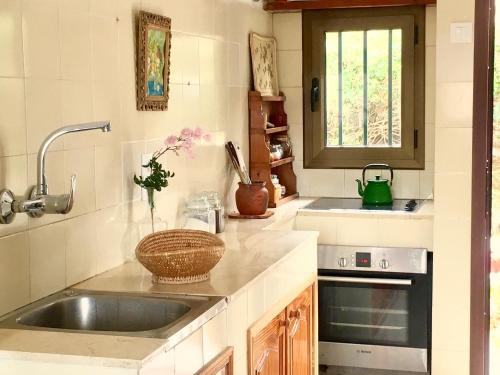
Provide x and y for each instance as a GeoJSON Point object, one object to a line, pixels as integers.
{"type": "Point", "coordinates": [252, 199]}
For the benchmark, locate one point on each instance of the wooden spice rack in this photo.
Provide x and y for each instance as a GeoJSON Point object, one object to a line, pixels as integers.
{"type": "Point", "coordinates": [261, 166]}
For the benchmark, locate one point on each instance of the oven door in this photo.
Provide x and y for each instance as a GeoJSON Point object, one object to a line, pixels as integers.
{"type": "Point", "coordinates": [374, 320]}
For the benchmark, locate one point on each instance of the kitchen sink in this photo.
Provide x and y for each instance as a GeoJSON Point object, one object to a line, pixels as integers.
{"type": "Point", "coordinates": [106, 313]}
{"type": "Point", "coordinates": [128, 314]}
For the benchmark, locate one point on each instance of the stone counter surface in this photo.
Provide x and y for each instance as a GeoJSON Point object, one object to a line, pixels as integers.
{"type": "Point", "coordinates": [262, 259]}
{"type": "Point", "coordinates": [247, 255]}
{"type": "Point", "coordinates": [371, 228]}
{"type": "Point", "coordinates": [251, 253]}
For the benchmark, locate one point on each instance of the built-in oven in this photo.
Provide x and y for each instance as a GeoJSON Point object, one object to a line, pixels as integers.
{"type": "Point", "coordinates": [374, 307]}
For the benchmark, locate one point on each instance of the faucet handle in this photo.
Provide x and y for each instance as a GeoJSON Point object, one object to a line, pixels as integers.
{"type": "Point", "coordinates": [39, 205]}
{"type": "Point", "coordinates": [36, 205]}
{"type": "Point", "coordinates": [60, 204]}
{"type": "Point", "coordinates": [7, 213]}
{"type": "Point", "coordinates": [70, 198]}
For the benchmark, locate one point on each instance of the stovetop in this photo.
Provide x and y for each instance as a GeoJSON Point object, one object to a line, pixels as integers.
{"type": "Point", "coordinates": [325, 204]}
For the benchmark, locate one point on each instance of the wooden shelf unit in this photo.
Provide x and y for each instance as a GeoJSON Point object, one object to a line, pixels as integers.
{"type": "Point", "coordinates": [278, 98]}
{"type": "Point", "coordinates": [261, 166]}
{"type": "Point", "coordinates": [283, 161]}
{"type": "Point", "coordinates": [277, 129]}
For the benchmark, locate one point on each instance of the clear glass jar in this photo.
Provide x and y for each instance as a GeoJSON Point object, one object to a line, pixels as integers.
{"type": "Point", "coordinates": [216, 205]}
{"type": "Point", "coordinates": [200, 215]}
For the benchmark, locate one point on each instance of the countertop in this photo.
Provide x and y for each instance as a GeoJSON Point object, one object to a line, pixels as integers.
{"type": "Point", "coordinates": [252, 247]}
{"type": "Point", "coordinates": [426, 210]}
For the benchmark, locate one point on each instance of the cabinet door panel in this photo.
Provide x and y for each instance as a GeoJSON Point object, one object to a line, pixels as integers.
{"type": "Point", "coordinates": [220, 365]}
{"type": "Point", "coordinates": [268, 354]}
{"type": "Point", "coordinates": [300, 334]}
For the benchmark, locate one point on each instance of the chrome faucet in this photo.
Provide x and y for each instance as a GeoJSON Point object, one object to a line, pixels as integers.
{"type": "Point", "coordinates": [41, 181]}
{"type": "Point", "coordinates": [39, 201]}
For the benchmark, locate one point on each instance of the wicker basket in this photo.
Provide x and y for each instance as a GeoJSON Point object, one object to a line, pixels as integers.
{"type": "Point", "coordinates": [179, 256]}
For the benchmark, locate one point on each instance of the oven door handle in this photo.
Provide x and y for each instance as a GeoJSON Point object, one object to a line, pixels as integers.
{"type": "Point", "coordinates": [365, 280]}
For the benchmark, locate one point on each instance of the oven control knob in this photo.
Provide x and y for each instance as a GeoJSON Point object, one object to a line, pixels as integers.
{"type": "Point", "coordinates": [384, 264]}
{"type": "Point", "coordinates": [343, 262]}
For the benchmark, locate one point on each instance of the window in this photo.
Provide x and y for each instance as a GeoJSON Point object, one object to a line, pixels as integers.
{"type": "Point", "coordinates": [364, 87]}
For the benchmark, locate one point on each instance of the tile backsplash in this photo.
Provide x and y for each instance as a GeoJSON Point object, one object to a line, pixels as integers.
{"type": "Point", "coordinates": [341, 182]}
{"type": "Point", "coordinates": [66, 62]}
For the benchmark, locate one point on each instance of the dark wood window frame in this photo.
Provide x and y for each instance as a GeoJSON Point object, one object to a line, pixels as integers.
{"type": "Point", "coordinates": [411, 19]}
{"type": "Point", "coordinates": [482, 140]}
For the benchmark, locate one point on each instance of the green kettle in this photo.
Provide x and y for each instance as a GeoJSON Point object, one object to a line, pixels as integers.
{"type": "Point", "coordinates": [377, 192]}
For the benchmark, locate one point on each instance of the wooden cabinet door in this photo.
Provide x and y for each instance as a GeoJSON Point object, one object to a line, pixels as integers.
{"type": "Point", "coordinates": [268, 348]}
{"type": "Point", "coordinates": [220, 365]}
{"type": "Point", "coordinates": [300, 334]}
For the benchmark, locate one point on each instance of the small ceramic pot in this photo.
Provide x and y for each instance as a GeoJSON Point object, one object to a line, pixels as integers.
{"type": "Point", "coordinates": [252, 199]}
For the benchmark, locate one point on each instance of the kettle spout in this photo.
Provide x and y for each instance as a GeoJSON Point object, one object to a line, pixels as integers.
{"type": "Point", "coordinates": [360, 187]}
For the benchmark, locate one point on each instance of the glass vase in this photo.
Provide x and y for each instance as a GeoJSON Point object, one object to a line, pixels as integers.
{"type": "Point", "coordinates": [152, 222]}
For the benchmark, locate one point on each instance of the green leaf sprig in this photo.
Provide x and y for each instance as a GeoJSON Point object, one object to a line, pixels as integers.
{"type": "Point", "coordinates": [158, 178]}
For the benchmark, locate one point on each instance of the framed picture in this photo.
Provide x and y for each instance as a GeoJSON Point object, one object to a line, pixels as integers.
{"type": "Point", "coordinates": [153, 62]}
{"type": "Point", "coordinates": [264, 64]}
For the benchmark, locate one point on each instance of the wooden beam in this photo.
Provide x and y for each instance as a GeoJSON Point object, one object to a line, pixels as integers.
{"type": "Point", "coordinates": [277, 6]}
{"type": "Point", "coordinates": [482, 146]}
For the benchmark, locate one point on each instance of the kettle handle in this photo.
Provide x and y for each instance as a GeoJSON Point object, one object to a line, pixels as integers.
{"type": "Point", "coordinates": [378, 166]}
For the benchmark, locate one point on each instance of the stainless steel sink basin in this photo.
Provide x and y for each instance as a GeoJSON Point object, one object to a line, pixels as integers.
{"type": "Point", "coordinates": [106, 313]}
{"type": "Point", "coordinates": [147, 315]}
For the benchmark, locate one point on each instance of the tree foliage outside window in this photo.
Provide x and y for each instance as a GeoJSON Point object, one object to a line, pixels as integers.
{"type": "Point", "coordinates": [347, 65]}
{"type": "Point", "coordinates": [364, 85]}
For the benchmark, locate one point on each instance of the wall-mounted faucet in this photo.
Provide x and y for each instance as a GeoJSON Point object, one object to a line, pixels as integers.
{"type": "Point", "coordinates": [39, 201]}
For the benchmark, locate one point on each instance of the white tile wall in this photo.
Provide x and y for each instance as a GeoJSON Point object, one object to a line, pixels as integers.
{"type": "Point", "coordinates": [326, 226]}
{"type": "Point", "coordinates": [214, 337]}
{"type": "Point", "coordinates": [163, 364]}
{"type": "Point", "coordinates": [67, 61]}
{"type": "Point", "coordinates": [11, 39]}
{"type": "Point", "coordinates": [375, 231]}
{"type": "Point", "coordinates": [454, 92]}
{"type": "Point", "coordinates": [454, 362]}
{"type": "Point", "coordinates": [340, 183]}
{"type": "Point", "coordinates": [189, 354]}
{"type": "Point", "coordinates": [256, 295]}
{"type": "Point", "coordinates": [43, 111]}
{"type": "Point", "coordinates": [81, 251]}
{"type": "Point", "coordinates": [14, 275]}
{"type": "Point", "coordinates": [237, 324]}
{"type": "Point", "coordinates": [12, 116]}
{"type": "Point", "coordinates": [287, 29]}
{"type": "Point", "coordinates": [454, 104]}
{"type": "Point", "coordinates": [75, 44]}
{"type": "Point", "coordinates": [41, 39]}
{"type": "Point", "coordinates": [47, 256]}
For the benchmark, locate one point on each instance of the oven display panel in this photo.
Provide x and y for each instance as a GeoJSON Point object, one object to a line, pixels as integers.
{"type": "Point", "coordinates": [363, 259]}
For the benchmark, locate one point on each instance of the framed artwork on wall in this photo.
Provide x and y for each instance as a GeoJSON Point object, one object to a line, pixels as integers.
{"type": "Point", "coordinates": [153, 62]}
{"type": "Point", "coordinates": [264, 64]}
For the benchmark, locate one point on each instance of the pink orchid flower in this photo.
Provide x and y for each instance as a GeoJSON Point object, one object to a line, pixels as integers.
{"type": "Point", "coordinates": [171, 140]}
{"type": "Point", "coordinates": [186, 133]}
{"type": "Point", "coordinates": [197, 133]}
